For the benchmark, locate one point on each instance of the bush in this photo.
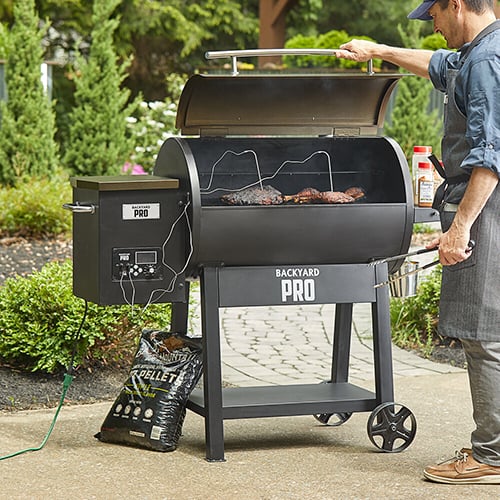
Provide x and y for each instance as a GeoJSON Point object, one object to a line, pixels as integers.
{"type": "Point", "coordinates": [27, 145]}
{"type": "Point", "coordinates": [412, 121]}
{"type": "Point", "coordinates": [330, 40]}
{"type": "Point", "coordinates": [98, 142]}
{"type": "Point", "coordinates": [434, 42]}
{"type": "Point", "coordinates": [33, 208]}
{"type": "Point", "coordinates": [40, 317]}
{"type": "Point", "coordinates": [152, 123]}
{"type": "Point", "coordinates": [414, 320]}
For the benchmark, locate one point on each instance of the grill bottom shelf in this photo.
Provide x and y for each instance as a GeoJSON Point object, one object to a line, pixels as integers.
{"type": "Point", "coordinates": [275, 401]}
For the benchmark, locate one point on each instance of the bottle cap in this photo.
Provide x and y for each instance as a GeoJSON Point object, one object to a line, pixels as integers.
{"type": "Point", "coordinates": [422, 149]}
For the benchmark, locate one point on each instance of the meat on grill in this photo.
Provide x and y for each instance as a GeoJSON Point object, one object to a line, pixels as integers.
{"type": "Point", "coordinates": [307, 195]}
{"type": "Point", "coordinates": [255, 195]}
{"type": "Point", "coordinates": [355, 192]}
{"type": "Point", "coordinates": [333, 197]}
{"type": "Point", "coordinates": [268, 195]}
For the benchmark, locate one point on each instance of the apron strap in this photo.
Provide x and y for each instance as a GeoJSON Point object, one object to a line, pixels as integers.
{"type": "Point", "coordinates": [495, 25]}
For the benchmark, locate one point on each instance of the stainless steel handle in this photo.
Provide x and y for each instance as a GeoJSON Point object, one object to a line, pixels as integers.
{"type": "Point", "coordinates": [76, 208]}
{"type": "Point", "coordinates": [234, 54]}
{"type": "Point", "coordinates": [222, 54]}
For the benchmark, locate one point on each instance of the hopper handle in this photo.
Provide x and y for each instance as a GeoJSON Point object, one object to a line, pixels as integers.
{"type": "Point", "coordinates": [234, 54]}
{"type": "Point", "coordinates": [76, 208]}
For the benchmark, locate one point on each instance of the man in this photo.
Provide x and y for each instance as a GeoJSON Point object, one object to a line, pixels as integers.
{"type": "Point", "coordinates": [469, 204]}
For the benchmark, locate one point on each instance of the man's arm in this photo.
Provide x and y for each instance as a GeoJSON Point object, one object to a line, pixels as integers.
{"type": "Point", "coordinates": [453, 243]}
{"type": "Point", "coordinates": [414, 60]}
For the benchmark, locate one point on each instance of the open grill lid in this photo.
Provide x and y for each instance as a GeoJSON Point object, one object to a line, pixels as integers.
{"type": "Point", "coordinates": [346, 104]}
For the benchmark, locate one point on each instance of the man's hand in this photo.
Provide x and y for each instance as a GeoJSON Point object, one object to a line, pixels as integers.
{"type": "Point", "coordinates": [358, 50]}
{"type": "Point", "coordinates": [453, 247]}
{"type": "Point", "coordinates": [453, 244]}
{"type": "Point", "coordinates": [414, 60]}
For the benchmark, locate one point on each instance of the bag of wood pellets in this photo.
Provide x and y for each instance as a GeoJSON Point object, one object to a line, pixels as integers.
{"type": "Point", "coordinates": [150, 410]}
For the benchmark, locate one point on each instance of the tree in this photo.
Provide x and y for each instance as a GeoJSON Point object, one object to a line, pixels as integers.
{"type": "Point", "coordinates": [27, 146]}
{"type": "Point", "coordinates": [412, 123]}
{"type": "Point", "coordinates": [163, 37]}
{"type": "Point", "coordinates": [98, 143]}
{"type": "Point", "coordinates": [374, 18]}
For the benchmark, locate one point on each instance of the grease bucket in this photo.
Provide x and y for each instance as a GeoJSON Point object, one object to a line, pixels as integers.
{"type": "Point", "coordinates": [405, 286]}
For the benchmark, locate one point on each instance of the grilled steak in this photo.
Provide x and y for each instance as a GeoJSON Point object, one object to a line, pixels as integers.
{"type": "Point", "coordinates": [335, 197]}
{"type": "Point", "coordinates": [254, 195]}
{"type": "Point", "coordinates": [306, 195]}
{"type": "Point", "coordinates": [355, 192]}
{"type": "Point", "coordinates": [269, 195]}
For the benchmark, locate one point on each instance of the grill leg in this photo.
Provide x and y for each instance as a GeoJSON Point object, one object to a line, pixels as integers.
{"type": "Point", "coordinates": [179, 318]}
{"type": "Point", "coordinates": [382, 343]}
{"type": "Point", "coordinates": [341, 342]}
{"type": "Point", "coordinates": [212, 377]}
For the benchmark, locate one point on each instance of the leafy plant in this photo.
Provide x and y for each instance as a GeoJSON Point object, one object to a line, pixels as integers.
{"type": "Point", "coordinates": [434, 42]}
{"type": "Point", "coordinates": [33, 207]}
{"type": "Point", "coordinates": [412, 122]}
{"type": "Point", "coordinates": [40, 316]}
{"type": "Point", "coordinates": [414, 320]}
{"type": "Point", "coordinates": [27, 145]}
{"type": "Point", "coordinates": [98, 142]}
{"type": "Point", "coordinates": [152, 123]}
{"type": "Point", "coordinates": [330, 40]}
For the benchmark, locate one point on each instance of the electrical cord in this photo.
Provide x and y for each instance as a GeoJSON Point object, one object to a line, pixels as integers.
{"type": "Point", "coordinates": [68, 378]}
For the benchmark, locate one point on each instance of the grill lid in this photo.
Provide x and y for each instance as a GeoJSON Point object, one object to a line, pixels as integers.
{"type": "Point", "coordinates": [343, 104]}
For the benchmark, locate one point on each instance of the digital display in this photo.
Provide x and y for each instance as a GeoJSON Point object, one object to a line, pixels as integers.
{"type": "Point", "coordinates": [145, 257]}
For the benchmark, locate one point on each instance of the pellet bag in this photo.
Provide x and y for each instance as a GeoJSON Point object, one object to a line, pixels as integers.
{"type": "Point", "coordinates": [150, 409]}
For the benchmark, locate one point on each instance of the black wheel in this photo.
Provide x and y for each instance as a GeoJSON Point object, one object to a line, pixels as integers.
{"type": "Point", "coordinates": [325, 418]}
{"type": "Point", "coordinates": [392, 427]}
{"type": "Point", "coordinates": [339, 418]}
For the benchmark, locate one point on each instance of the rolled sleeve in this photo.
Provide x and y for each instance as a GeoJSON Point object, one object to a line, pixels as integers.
{"type": "Point", "coordinates": [439, 63]}
{"type": "Point", "coordinates": [483, 116]}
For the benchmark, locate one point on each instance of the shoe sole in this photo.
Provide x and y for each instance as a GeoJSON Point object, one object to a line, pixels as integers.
{"type": "Point", "coordinates": [466, 480]}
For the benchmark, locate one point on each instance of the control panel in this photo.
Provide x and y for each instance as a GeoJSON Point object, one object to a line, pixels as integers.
{"type": "Point", "coordinates": [131, 264]}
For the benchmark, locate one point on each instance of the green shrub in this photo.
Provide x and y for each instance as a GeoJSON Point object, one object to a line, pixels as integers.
{"type": "Point", "coordinates": [434, 42]}
{"type": "Point", "coordinates": [300, 42]}
{"type": "Point", "coordinates": [414, 320]}
{"type": "Point", "coordinates": [98, 143]}
{"type": "Point", "coordinates": [27, 145]}
{"type": "Point", "coordinates": [34, 207]}
{"type": "Point", "coordinates": [40, 317]}
{"type": "Point", "coordinates": [331, 40]}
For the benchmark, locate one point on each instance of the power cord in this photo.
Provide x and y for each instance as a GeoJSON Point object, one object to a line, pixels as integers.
{"type": "Point", "coordinates": [68, 378]}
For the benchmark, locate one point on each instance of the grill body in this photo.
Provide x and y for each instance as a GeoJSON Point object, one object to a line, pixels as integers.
{"type": "Point", "coordinates": [290, 133]}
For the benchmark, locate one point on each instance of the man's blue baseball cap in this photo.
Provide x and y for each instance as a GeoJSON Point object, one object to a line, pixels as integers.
{"type": "Point", "coordinates": [422, 11]}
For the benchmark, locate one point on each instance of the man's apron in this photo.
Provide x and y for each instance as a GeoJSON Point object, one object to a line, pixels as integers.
{"type": "Point", "coordinates": [470, 299]}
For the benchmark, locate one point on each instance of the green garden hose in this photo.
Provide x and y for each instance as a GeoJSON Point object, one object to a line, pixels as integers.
{"type": "Point", "coordinates": [68, 378]}
{"type": "Point", "coordinates": [66, 383]}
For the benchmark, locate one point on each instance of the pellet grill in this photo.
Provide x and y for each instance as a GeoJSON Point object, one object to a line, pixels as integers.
{"type": "Point", "coordinates": [289, 132]}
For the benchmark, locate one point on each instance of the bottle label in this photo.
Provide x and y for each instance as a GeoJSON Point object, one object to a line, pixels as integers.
{"type": "Point", "coordinates": [425, 192]}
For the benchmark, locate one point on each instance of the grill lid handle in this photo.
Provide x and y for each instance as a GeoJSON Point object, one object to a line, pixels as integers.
{"type": "Point", "coordinates": [234, 54]}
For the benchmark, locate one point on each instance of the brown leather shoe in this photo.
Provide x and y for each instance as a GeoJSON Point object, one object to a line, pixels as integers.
{"type": "Point", "coordinates": [463, 469]}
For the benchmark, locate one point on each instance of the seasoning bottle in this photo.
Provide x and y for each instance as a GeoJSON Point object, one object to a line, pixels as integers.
{"type": "Point", "coordinates": [425, 184]}
{"type": "Point", "coordinates": [420, 154]}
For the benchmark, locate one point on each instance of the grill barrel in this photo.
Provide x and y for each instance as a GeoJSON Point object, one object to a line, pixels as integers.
{"type": "Point", "coordinates": [378, 225]}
